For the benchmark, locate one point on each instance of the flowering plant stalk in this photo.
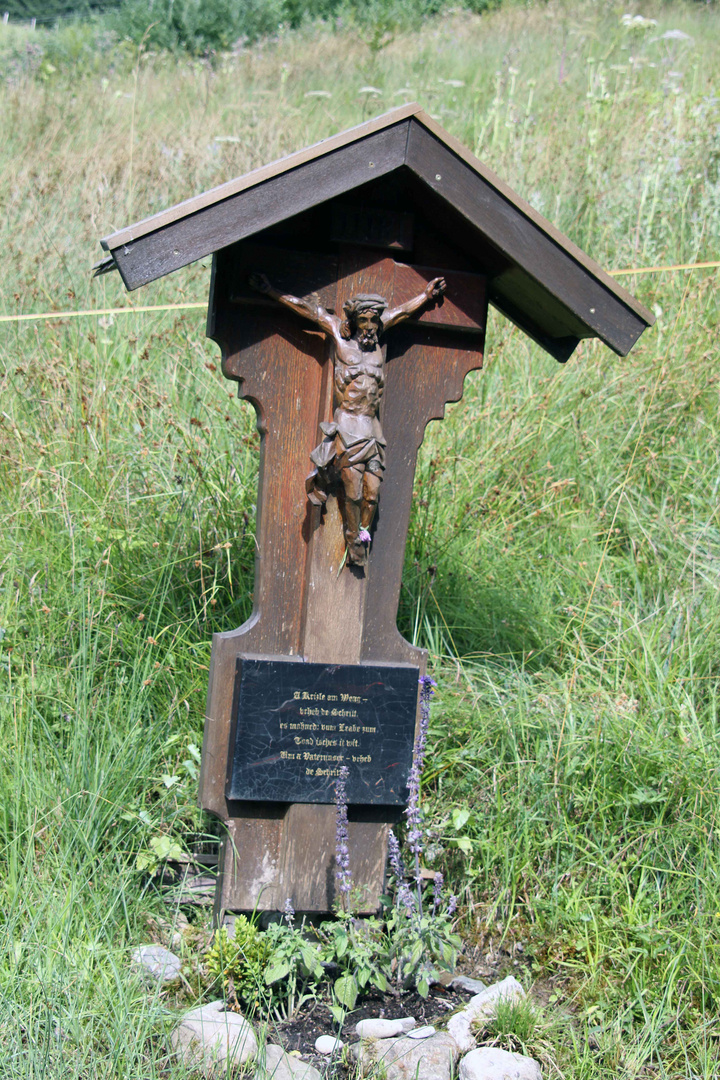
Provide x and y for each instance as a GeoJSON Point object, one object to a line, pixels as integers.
{"type": "Point", "coordinates": [412, 943]}
{"type": "Point", "coordinates": [343, 879]}
{"type": "Point", "coordinates": [414, 836]}
{"type": "Point", "coordinates": [356, 949]}
{"type": "Point", "coordinates": [420, 941]}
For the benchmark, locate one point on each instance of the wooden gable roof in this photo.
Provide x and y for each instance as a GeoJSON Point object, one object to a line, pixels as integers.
{"type": "Point", "coordinates": [537, 277]}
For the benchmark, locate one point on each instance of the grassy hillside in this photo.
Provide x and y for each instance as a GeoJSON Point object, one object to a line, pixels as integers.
{"type": "Point", "coordinates": [562, 565]}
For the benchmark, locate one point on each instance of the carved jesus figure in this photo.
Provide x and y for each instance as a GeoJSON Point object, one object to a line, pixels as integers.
{"type": "Point", "coordinates": [351, 456]}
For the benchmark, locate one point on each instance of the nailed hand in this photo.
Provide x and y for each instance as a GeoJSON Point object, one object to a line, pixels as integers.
{"type": "Point", "coordinates": [436, 288]}
{"type": "Point", "coordinates": [260, 283]}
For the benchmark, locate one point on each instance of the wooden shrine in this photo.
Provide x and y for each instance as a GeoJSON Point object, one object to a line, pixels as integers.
{"type": "Point", "coordinates": [349, 294]}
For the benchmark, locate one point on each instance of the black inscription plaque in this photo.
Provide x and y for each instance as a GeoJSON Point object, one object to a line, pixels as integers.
{"type": "Point", "coordinates": [297, 724]}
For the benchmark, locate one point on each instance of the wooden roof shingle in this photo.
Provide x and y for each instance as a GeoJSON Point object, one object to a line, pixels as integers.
{"type": "Point", "coordinates": [536, 276]}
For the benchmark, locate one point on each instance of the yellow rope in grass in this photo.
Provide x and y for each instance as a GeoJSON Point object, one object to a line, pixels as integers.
{"type": "Point", "coordinates": [203, 304]}
{"type": "Point", "coordinates": [102, 311]}
{"type": "Point", "coordinates": [662, 269]}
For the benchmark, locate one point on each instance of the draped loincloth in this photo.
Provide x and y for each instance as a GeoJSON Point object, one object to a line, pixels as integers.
{"type": "Point", "coordinates": [341, 449]}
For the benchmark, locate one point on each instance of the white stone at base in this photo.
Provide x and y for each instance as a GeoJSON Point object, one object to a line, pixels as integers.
{"type": "Point", "coordinates": [491, 1063]}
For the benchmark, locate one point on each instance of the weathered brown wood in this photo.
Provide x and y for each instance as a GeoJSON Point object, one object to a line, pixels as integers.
{"type": "Point", "coordinates": [334, 632]}
{"type": "Point", "coordinates": [536, 252]}
{"type": "Point", "coordinates": [371, 226]}
{"type": "Point", "coordinates": [425, 372]}
{"type": "Point", "coordinates": [464, 306]}
{"type": "Point", "coordinates": [538, 277]}
{"type": "Point", "coordinates": [323, 224]}
{"type": "Point", "coordinates": [246, 214]}
{"type": "Point", "coordinates": [281, 372]}
{"type": "Point", "coordinates": [317, 613]}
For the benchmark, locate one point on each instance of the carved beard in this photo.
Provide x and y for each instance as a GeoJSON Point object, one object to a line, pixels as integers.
{"type": "Point", "coordinates": [367, 340]}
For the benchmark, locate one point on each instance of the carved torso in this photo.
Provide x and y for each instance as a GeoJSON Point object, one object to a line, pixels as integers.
{"type": "Point", "coordinates": [359, 381]}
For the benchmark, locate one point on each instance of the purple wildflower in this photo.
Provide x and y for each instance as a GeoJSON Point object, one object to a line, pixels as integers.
{"type": "Point", "coordinates": [438, 883]}
{"type": "Point", "coordinates": [395, 857]}
{"type": "Point", "coordinates": [427, 685]}
{"type": "Point", "coordinates": [342, 851]}
{"type": "Point", "coordinates": [289, 912]}
{"type": "Point", "coordinates": [364, 536]}
{"type": "Point", "coordinates": [405, 897]}
{"type": "Point", "coordinates": [412, 812]}
{"type": "Point", "coordinates": [452, 905]}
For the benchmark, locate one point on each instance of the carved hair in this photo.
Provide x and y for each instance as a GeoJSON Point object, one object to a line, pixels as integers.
{"type": "Point", "coordinates": [358, 304]}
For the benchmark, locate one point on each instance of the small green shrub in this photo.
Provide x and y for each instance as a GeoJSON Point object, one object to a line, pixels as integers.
{"type": "Point", "coordinates": [241, 960]}
{"type": "Point", "coordinates": [195, 26]}
{"type": "Point", "coordinates": [54, 9]}
{"type": "Point", "coordinates": [200, 27]}
{"type": "Point", "coordinates": [514, 1020]}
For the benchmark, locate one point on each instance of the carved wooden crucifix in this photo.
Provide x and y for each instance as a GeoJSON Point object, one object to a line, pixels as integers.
{"type": "Point", "coordinates": [350, 460]}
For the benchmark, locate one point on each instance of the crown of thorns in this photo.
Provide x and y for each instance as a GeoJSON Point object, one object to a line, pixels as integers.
{"type": "Point", "coordinates": [364, 302]}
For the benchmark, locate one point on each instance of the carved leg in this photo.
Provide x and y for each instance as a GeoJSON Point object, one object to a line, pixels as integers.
{"type": "Point", "coordinates": [352, 479]}
{"type": "Point", "coordinates": [371, 488]}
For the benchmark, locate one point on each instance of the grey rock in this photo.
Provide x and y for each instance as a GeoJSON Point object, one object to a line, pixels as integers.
{"type": "Point", "coordinates": [459, 1029]}
{"type": "Point", "coordinates": [421, 1032]}
{"type": "Point", "coordinates": [484, 1004]}
{"type": "Point", "coordinates": [473, 986]}
{"type": "Point", "coordinates": [405, 1059]}
{"type": "Point", "coordinates": [377, 1028]}
{"type": "Point", "coordinates": [210, 1037]}
{"type": "Point", "coordinates": [158, 963]}
{"type": "Point", "coordinates": [279, 1065]}
{"type": "Point", "coordinates": [491, 1063]}
{"type": "Point", "coordinates": [328, 1044]}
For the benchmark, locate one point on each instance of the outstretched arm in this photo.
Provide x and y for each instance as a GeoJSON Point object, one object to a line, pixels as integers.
{"type": "Point", "coordinates": [315, 312]}
{"type": "Point", "coordinates": [432, 293]}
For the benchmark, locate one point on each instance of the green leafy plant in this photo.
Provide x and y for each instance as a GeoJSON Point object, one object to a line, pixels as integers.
{"type": "Point", "coordinates": [416, 939]}
{"type": "Point", "coordinates": [279, 968]}
{"type": "Point", "coordinates": [420, 933]}
{"type": "Point", "coordinates": [295, 967]}
{"type": "Point", "coordinates": [197, 27]}
{"type": "Point", "coordinates": [421, 945]}
{"type": "Point", "coordinates": [359, 950]}
{"type": "Point", "coordinates": [159, 850]}
{"type": "Point", "coordinates": [239, 963]}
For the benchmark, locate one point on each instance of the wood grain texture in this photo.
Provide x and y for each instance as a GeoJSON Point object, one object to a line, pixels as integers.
{"type": "Point", "coordinates": [548, 275]}
{"type": "Point", "coordinates": [280, 368]}
{"type": "Point", "coordinates": [425, 371]}
{"type": "Point", "coordinates": [464, 306]}
{"type": "Point", "coordinates": [334, 628]}
{"type": "Point", "coordinates": [223, 223]}
{"type": "Point", "coordinates": [489, 244]}
{"type": "Point", "coordinates": [541, 255]}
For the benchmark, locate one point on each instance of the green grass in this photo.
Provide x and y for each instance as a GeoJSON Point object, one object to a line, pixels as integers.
{"type": "Point", "coordinates": [562, 563]}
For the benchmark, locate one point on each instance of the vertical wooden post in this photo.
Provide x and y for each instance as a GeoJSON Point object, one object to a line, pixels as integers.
{"type": "Point", "coordinates": [306, 608]}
